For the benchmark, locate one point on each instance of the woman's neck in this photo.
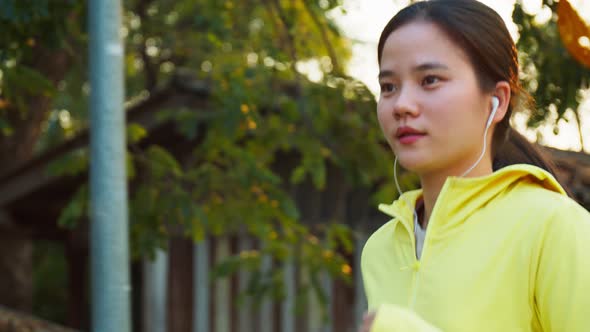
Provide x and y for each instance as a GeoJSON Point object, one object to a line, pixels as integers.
{"type": "Point", "coordinates": [432, 185]}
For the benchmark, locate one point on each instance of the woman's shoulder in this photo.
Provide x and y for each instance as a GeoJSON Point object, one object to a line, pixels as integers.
{"type": "Point", "coordinates": [550, 205]}
{"type": "Point", "coordinates": [533, 193]}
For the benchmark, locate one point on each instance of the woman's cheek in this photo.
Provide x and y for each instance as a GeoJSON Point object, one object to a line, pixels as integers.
{"type": "Point", "coordinates": [382, 123]}
{"type": "Point", "coordinates": [386, 130]}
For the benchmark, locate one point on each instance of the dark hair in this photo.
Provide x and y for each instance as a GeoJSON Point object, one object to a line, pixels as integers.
{"type": "Point", "coordinates": [483, 36]}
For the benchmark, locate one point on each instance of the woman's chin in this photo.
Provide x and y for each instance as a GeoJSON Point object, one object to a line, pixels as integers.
{"type": "Point", "coordinates": [413, 164]}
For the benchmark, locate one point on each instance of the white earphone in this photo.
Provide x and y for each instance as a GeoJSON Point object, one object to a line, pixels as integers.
{"type": "Point", "coordinates": [495, 104]}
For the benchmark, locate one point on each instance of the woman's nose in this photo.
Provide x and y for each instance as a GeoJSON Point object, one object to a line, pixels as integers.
{"type": "Point", "coordinates": [405, 105]}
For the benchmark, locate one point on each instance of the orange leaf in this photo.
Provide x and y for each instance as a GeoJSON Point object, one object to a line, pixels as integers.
{"type": "Point", "coordinates": [574, 32]}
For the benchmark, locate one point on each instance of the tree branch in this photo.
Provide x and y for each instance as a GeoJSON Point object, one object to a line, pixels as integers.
{"type": "Point", "coordinates": [324, 35]}
{"type": "Point", "coordinates": [15, 321]}
{"type": "Point", "coordinates": [580, 132]}
{"type": "Point", "coordinates": [290, 45]}
{"type": "Point", "coordinates": [150, 69]}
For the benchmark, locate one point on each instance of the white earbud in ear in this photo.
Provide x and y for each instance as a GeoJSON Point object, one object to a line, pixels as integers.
{"type": "Point", "coordinates": [495, 104]}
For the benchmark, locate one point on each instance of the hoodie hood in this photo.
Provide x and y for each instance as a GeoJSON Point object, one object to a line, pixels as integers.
{"type": "Point", "coordinates": [461, 197]}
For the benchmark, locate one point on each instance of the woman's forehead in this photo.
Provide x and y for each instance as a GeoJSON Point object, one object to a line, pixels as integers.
{"type": "Point", "coordinates": [418, 43]}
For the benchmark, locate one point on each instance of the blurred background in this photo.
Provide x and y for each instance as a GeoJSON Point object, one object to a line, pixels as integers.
{"type": "Point", "coordinates": [254, 159]}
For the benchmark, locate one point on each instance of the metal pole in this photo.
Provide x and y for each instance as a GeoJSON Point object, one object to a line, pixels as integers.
{"type": "Point", "coordinates": [111, 309]}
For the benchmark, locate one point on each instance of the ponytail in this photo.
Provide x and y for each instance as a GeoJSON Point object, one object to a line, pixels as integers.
{"type": "Point", "coordinates": [516, 149]}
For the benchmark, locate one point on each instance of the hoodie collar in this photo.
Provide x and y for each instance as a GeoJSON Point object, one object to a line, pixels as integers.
{"type": "Point", "coordinates": [461, 197]}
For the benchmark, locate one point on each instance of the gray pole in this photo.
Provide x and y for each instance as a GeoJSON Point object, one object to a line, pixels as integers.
{"type": "Point", "coordinates": [108, 182]}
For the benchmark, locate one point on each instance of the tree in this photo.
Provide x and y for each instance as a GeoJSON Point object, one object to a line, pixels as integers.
{"type": "Point", "coordinates": [32, 62]}
{"type": "Point", "coordinates": [261, 111]}
{"type": "Point", "coordinates": [552, 75]}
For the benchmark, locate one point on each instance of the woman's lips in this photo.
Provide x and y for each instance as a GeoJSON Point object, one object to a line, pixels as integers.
{"type": "Point", "coordinates": [408, 135]}
{"type": "Point", "coordinates": [409, 139]}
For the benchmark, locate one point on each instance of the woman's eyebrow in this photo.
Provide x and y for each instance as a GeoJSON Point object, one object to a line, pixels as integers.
{"type": "Point", "coordinates": [419, 68]}
{"type": "Point", "coordinates": [429, 66]}
{"type": "Point", "coordinates": [386, 73]}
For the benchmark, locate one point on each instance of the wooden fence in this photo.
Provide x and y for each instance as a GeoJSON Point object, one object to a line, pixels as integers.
{"type": "Point", "coordinates": [215, 305]}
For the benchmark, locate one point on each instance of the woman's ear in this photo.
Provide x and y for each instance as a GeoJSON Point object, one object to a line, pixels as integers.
{"type": "Point", "coordinates": [502, 92]}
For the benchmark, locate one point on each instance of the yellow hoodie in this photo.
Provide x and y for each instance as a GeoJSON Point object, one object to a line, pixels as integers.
{"type": "Point", "coordinates": [504, 252]}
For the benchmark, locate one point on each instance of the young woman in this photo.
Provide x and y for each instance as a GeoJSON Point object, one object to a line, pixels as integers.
{"type": "Point", "coordinates": [491, 242]}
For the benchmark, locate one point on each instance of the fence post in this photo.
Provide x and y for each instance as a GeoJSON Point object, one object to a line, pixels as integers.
{"type": "Point", "coordinates": [201, 294]}
{"type": "Point", "coordinates": [222, 288]}
{"type": "Point", "coordinates": [245, 309]}
{"type": "Point", "coordinates": [328, 288]}
{"type": "Point", "coordinates": [288, 305]}
{"type": "Point", "coordinates": [154, 292]}
{"type": "Point", "coordinates": [360, 297]}
{"type": "Point", "coordinates": [266, 309]}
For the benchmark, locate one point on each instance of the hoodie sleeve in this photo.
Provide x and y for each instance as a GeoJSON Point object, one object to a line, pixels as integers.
{"type": "Point", "coordinates": [562, 287]}
{"type": "Point", "coordinates": [392, 318]}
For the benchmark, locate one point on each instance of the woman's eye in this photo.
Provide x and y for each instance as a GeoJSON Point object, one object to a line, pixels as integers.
{"type": "Point", "coordinates": [428, 80]}
{"type": "Point", "coordinates": [388, 87]}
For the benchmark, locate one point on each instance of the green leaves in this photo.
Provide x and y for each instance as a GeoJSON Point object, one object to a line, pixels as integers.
{"type": "Point", "coordinates": [23, 11]}
{"type": "Point", "coordinates": [135, 133]}
{"type": "Point", "coordinates": [313, 165]}
{"type": "Point", "coordinates": [76, 209]}
{"type": "Point", "coordinates": [265, 129]}
{"type": "Point", "coordinates": [21, 82]}
{"type": "Point", "coordinates": [162, 163]}
{"type": "Point", "coordinates": [73, 163]}
{"type": "Point", "coordinates": [26, 24]}
{"type": "Point", "coordinates": [550, 73]}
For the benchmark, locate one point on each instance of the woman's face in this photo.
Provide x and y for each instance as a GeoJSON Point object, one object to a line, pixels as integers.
{"type": "Point", "coordinates": [431, 109]}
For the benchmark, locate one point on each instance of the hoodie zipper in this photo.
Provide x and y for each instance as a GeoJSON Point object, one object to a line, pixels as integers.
{"type": "Point", "coordinates": [416, 266]}
{"type": "Point", "coordinates": [415, 273]}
